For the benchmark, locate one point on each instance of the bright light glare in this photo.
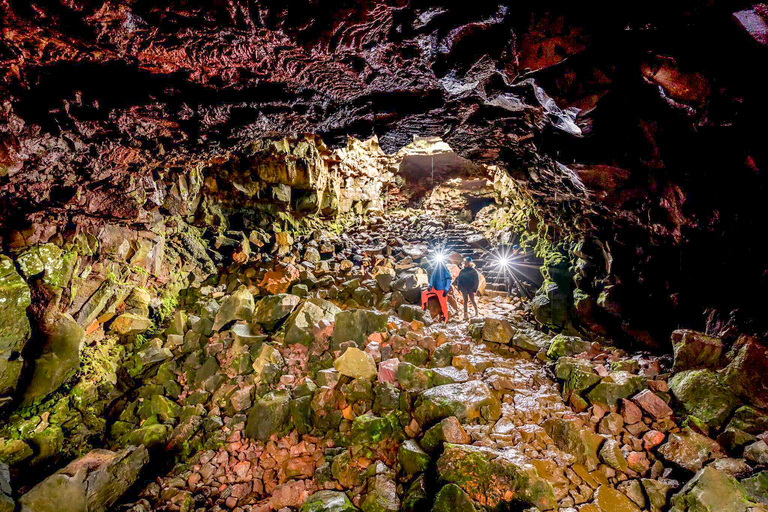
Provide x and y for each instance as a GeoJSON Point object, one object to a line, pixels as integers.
{"type": "Point", "coordinates": [439, 257]}
{"type": "Point", "coordinates": [503, 261]}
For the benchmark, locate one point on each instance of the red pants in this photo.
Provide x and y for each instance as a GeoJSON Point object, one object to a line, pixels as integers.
{"type": "Point", "coordinates": [441, 297]}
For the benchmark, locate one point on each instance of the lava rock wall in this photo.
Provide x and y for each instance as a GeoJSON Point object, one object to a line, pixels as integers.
{"type": "Point", "coordinates": [641, 126]}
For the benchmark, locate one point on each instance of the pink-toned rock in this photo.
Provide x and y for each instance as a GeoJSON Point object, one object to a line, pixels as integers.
{"type": "Point", "coordinates": [241, 469]}
{"type": "Point", "coordinates": [388, 370]}
{"type": "Point", "coordinates": [279, 280]}
{"type": "Point", "coordinates": [652, 439]}
{"type": "Point", "coordinates": [638, 461]}
{"type": "Point", "coordinates": [288, 494]}
{"type": "Point", "coordinates": [631, 412]}
{"type": "Point", "coordinates": [193, 480]}
{"type": "Point", "coordinates": [231, 502]}
{"type": "Point", "coordinates": [299, 467]}
{"type": "Point", "coordinates": [241, 490]}
{"type": "Point", "coordinates": [652, 404]}
{"type": "Point", "coordinates": [374, 349]}
{"type": "Point", "coordinates": [658, 385]}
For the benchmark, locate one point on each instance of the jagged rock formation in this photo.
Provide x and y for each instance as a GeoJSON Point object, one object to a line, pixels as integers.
{"type": "Point", "coordinates": [196, 258]}
{"type": "Point", "coordinates": [613, 127]}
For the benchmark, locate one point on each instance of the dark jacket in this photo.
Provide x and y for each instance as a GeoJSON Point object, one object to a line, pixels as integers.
{"type": "Point", "coordinates": [468, 280]}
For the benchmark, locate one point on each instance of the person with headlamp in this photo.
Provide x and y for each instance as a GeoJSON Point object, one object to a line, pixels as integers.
{"type": "Point", "coordinates": [439, 286]}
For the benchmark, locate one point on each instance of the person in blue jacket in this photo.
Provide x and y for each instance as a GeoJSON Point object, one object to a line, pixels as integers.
{"type": "Point", "coordinates": [441, 279]}
{"type": "Point", "coordinates": [439, 286]}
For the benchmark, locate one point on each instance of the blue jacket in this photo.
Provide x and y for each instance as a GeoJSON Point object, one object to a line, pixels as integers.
{"type": "Point", "coordinates": [441, 278]}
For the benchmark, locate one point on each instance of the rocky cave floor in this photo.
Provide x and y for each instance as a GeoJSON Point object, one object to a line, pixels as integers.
{"type": "Point", "coordinates": [311, 379]}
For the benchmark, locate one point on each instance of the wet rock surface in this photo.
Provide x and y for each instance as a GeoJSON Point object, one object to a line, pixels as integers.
{"type": "Point", "coordinates": [316, 403]}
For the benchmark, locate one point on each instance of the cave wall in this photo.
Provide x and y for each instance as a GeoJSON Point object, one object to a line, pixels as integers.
{"type": "Point", "coordinates": [637, 126]}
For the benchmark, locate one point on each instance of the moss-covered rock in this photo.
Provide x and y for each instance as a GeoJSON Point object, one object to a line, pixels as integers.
{"type": "Point", "coordinates": [756, 487]}
{"type": "Point", "coordinates": [492, 479]}
{"type": "Point", "coordinates": [468, 401]}
{"type": "Point", "coordinates": [328, 501]}
{"type": "Point", "coordinates": [381, 495]}
{"type": "Point", "coordinates": [93, 482]}
{"type": "Point", "coordinates": [412, 458]}
{"type": "Point", "coordinates": [269, 415]}
{"type": "Point", "coordinates": [570, 436]}
{"type": "Point", "coordinates": [694, 350]}
{"type": "Point", "coordinates": [689, 449]}
{"type": "Point", "coordinates": [150, 435]}
{"type": "Point", "coordinates": [451, 498]}
{"type": "Point", "coordinates": [416, 497]}
{"type": "Point", "coordinates": [711, 490]}
{"type": "Point", "coordinates": [59, 359]}
{"type": "Point", "coordinates": [272, 309]}
{"type": "Point", "coordinates": [738, 377]}
{"type": "Point", "coordinates": [14, 451]}
{"type": "Point", "coordinates": [268, 365]}
{"type": "Point", "coordinates": [238, 306]}
{"type": "Point", "coordinates": [356, 324]}
{"type": "Point", "coordinates": [749, 420]}
{"type": "Point", "coordinates": [448, 430]}
{"type": "Point", "coordinates": [50, 261]}
{"type": "Point", "coordinates": [701, 394]}
{"type": "Point", "coordinates": [369, 429]}
{"type": "Point", "coordinates": [616, 386]}
{"type": "Point", "coordinates": [15, 297]}
{"type": "Point", "coordinates": [576, 374]}
{"type": "Point", "coordinates": [563, 345]}
{"type": "Point", "coordinates": [301, 322]}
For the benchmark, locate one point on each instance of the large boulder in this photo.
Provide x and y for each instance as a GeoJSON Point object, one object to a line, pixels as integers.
{"type": "Point", "coordinates": [410, 283]}
{"type": "Point", "coordinates": [616, 386]}
{"type": "Point", "coordinates": [701, 395]}
{"type": "Point", "coordinates": [356, 364]}
{"type": "Point", "coordinates": [273, 308]}
{"type": "Point", "coordinates": [690, 450]}
{"type": "Point", "coordinates": [48, 261]}
{"type": "Point", "coordinates": [467, 401]}
{"type": "Point", "coordinates": [551, 305]}
{"type": "Point", "coordinates": [381, 495]}
{"type": "Point", "coordinates": [129, 324]}
{"type": "Point", "coordinates": [563, 345]}
{"type": "Point", "coordinates": [711, 490]}
{"type": "Point", "coordinates": [59, 359]}
{"type": "Point", "coordinates": [694, 349]}
{"type": "Point", "coordinates": [15, 297]}
{"type": "Point", "coordinates": [269, 415]}
{"type": "Point", "coordinates": [238, 306]}
{"type": "Point", "coordinates": [742, 375]}
{"type": "Point", "coordinates": [92, 483]}
{"type": "Point", "coordinates": [356, 324]}
{"type": "Point", "coordinates": [498, 331]}
{"type": "Point", "coordinates": [571, 436]}
{"type": "Point", "coordinates": [576, 374]}
{"type": "Point", "coordinates": [451, 498]}
{"type": "Point", "coordinates": [328, 501]}
{"type": "Point", "coordinates": [608, 499]}
{"type": "Point", "coordinates": [300, 325]}
{"type": "Point", "coordinates": [494, 478]}
{"type": "Point", "coordinates": [281, 279]}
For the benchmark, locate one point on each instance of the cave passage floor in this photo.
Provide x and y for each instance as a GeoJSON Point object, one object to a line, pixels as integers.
{"type": "Point", "coordinates": [496, 406]}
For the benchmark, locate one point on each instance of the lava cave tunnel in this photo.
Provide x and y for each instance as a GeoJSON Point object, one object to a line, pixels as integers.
{"type": "Point", "coordinates": [383, 256]}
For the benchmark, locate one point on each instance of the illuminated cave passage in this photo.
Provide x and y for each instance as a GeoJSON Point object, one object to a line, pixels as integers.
{"type": "Point", "coordinates": [231, 233]}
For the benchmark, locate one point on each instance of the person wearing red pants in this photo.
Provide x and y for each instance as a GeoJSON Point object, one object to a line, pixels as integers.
{"type": "Point", "coordinates": [439, 286]}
